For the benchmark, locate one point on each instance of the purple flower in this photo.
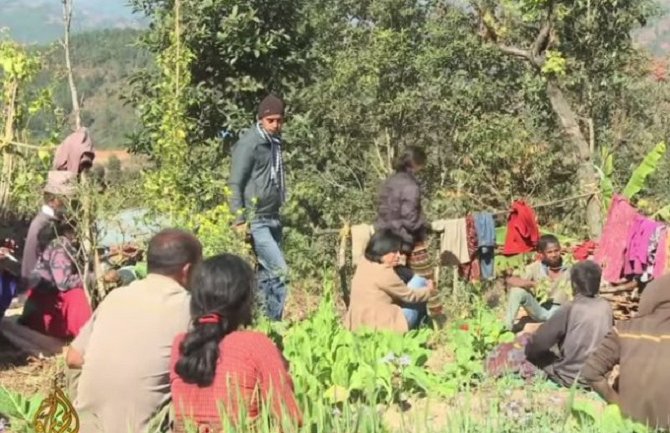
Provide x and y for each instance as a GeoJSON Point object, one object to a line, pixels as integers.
{"type": "Point", "coordinates": [404, 360]}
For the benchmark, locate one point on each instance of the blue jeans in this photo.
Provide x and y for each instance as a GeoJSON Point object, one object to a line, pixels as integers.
{"type": "Point", "coordinates": [273, 272]}
{"type": "Point", "coordinates": [414, 313]}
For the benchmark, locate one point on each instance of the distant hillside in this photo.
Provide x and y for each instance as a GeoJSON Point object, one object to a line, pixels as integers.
{"type": "Point", "coordinates": [656, 35]}
{"type": "Point", "coordinates": [41, 21]}
{"type": "Point", "coordinates": [103, 61]}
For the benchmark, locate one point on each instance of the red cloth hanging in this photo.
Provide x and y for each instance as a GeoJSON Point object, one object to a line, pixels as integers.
{"type": "Point", "coordinates": [522, 230]}
{"type": "Point", "coordinates": [584, 250]}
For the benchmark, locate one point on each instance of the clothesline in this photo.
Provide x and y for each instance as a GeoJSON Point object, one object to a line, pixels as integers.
{"type": "Point", "coordinates": [322, 232]}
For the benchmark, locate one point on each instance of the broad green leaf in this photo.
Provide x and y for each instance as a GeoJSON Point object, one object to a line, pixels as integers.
{"type": "Point", "coordinates": [336, 394]}
{"type": "Point", "coordinates": [663, 213]}
{"type": "Point", "coordinates": [647, 167]}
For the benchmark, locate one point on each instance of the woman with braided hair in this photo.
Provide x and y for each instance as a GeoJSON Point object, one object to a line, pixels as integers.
{"type": "Point", "coordinates": [220, 371]}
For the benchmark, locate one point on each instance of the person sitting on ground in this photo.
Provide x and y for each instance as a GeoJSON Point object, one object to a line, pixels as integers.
{"type": "Point", "coordinates": [551, 270]}
{"type": "Point", "coordinates": [217, 368]}
{"type": "Point", "coordinates": [641, 348]}
{"type": "Point", "coordinates": [576, 329]}
{"type": "Point", "coordinates": [57, 304]}
{"type": "Point", "coordinates": [10, 274]}
{"type": "Point", "coordinates": [124, 350]}
{"type": "Point", "coordinates": [380, 298]}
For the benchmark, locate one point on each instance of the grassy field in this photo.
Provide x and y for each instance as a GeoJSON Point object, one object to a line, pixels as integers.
{"type": "Point", "coordinates": [427, 381]}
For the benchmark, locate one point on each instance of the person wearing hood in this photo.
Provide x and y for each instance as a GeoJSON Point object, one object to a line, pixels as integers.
{"type": "Point", "coordinates": [641, 348]}
{"type": "Point", "coordinates": [258, 191]}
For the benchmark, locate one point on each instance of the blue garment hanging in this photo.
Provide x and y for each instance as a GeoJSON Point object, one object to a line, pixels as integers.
{"type": "Point", "coordinates": [486, 243]}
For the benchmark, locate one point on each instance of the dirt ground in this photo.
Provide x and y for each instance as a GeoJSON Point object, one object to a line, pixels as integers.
{"type": "Point", "coordinates": [24, 374]}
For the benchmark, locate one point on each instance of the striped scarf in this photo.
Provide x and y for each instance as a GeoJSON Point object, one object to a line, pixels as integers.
{"type": "Point", "coordinates": [277, 173]}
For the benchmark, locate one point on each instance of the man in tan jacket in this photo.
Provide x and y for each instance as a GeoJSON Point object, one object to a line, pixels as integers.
{"type": "Point", "coordinates": [124, 350]}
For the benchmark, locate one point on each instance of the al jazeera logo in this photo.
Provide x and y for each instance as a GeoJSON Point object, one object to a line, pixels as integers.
{"type": "Point", "coordinates": [56, 414]}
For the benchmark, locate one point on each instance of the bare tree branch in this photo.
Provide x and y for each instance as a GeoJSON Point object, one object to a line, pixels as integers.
{"type": "Point", "coordinates": [542, 39]}
{"type": "Point", "coordinates": [516, 52]}
{"type": "Point", "coordinates": [67, 22]}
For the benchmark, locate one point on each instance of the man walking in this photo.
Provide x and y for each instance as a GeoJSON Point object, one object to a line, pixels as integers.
{"type": "Point", "coordinates": [257, 182]}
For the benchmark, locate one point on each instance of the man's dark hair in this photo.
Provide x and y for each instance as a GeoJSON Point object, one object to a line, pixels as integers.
{"type": "Point", "coordinates": [585, 277]}
{"type": "Point", "coordinates": [412, 156]}
{"type": "Point", "coordinates": [545, 241]}
{"type": "Point", "coordinates": [382, 243]}
{"type": "Point", "coordinates": [172, 249]}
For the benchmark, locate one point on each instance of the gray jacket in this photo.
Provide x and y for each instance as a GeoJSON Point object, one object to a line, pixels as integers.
{"type": "Point", "coordinates": [253, 192]}
{"type": "Point", "coordinates": [399, 208]}
{"type": "Point", "coordinates": [577, 329]}
{"type": "Point", "coordinates": [31, 250]}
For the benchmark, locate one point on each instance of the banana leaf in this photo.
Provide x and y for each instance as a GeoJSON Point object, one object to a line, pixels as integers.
{"type": "Point", "coordinates": [647, 167]}
{"type": "Point", "coordinates": [606, 185]}
{"type": "Point", "coordinates": [663, 213]}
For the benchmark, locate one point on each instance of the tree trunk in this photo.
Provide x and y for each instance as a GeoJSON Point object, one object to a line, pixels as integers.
{"type": "Point", "coordinates": [586, 174]}
{"type": "Point", "coordinates": [67, 21]}
{"type": "Point", "coordinates": [7, 173]}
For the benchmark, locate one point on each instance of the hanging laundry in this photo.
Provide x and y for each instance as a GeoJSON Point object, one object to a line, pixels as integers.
{"type": "Point", "coordinates": [584, 250]}
{"type": "Point", "coordinates": [643, 242]}
{"type": "Point", "coordinates": [662, 254]}
{"type": "Point", "coordinates": [486, 243]}
{"type": "Point", "coordinates": [360, 236]}
{"type": "Point", "coordinates": [75, 153]}
{"type": "Point", "coordinates": [522, 230]}
{"type": "Point", "coordinates": [453, 241]}
{"type": "Point", "coordinates": [471, 271]}
{"type": "Point", "coordinates": [648, 273]}
{"type": "Point", "coordinates": [610, 254]}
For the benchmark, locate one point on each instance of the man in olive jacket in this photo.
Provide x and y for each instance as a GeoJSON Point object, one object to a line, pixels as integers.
{"type": "Point", "coordinates": [258, 186]}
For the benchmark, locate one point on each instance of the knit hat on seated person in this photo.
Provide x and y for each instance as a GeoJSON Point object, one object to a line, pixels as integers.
{"type": "Point", "coordinates": [271, 106]}
{"type": "Point", "coordinates": [60, 182]}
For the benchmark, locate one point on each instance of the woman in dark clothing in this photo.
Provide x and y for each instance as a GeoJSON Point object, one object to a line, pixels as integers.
{"type": "Point", "coordinates": [400, 199]}
{"type": "Point", "coordinates": [400, 212]}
